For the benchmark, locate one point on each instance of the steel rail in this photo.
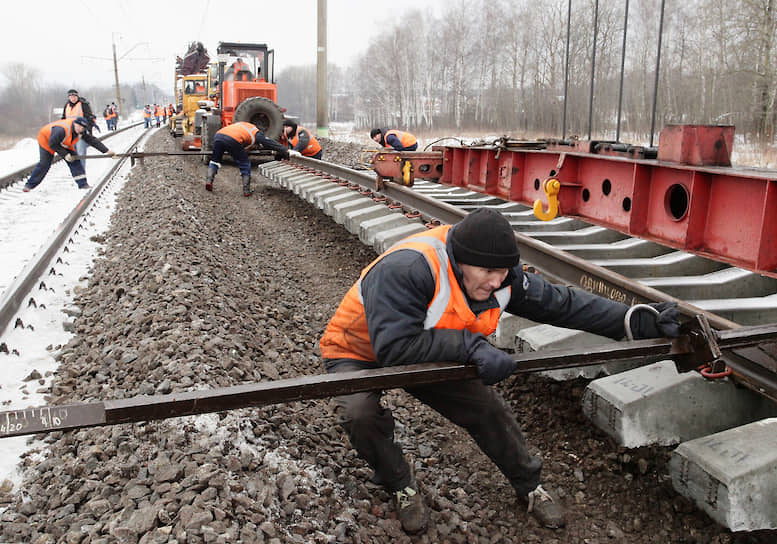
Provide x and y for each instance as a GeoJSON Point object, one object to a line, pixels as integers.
{"type": "Point", "coordinates": [14, 296]}
{"type": "Point", "coordinates": [687, 351]}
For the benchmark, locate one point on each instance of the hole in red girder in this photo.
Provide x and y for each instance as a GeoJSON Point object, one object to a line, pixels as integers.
{"type": "Point", "coordinates": [536, 184]}
{"type": "Point", "coordinates": [439, 168]}
{"type": "Point", "coordinates": [424, 168]}
{"type": "Point", "coordinates": [627, 204]}
{"type": "Point", "coordinates": [586, 195]}
{"type": "Point", "coordinates": [552, 173]}
{"type": "Point", "coordinates": [606, 187]}
{"type": "Point", "coordinates": [676, 201]}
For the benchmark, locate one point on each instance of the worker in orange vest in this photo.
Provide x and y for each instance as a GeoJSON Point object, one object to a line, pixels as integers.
{"type": "Point", "coordinates": [236, 139]}
{"type": "Point", "coordinates": [398, 140]}
{"type": "Point", "coordinates": [76, 106]}
{"type": "Point", "coordinates": [158, 114]}
{"type": "Point", "coordinates": [437, 296]}
{"type": "Point", "coordinates": [147, 116]}
{"type": "Point", "coordinates": [61, 137]}
{"type": "Point", "coordinates": [301, 140]}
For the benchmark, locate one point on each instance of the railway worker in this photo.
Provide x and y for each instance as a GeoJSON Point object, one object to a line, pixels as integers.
{"type": "Point", "coordinates": [301, 140]}
{"type": "Point", "coordinates": [436, 296]}
{"type": "Point", "coordinates": [76, 106]}
{"type": "Point", "coordinates": [239, 71]}
{"type": "Point", "coordinates": [398, 140]}
{"type": "Point", "coordinates": [61, 137]}
{"type": "Point", "coordinates": [158, 115]}
{"type": "Point", "coordinates": [236, 139]}
{"type": "Point", "coordinates": [147, 116]}
{"type": "Point", "coordinates": [114, 116]}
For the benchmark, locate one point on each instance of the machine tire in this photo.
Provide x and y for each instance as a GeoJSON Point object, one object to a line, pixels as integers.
{"type": "Point", "coordinates": [211, 124]}
{"type": "Point", "coordinates": [262, 112]}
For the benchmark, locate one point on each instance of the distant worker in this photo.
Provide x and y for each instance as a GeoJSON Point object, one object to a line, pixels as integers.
{"type": "Point", "coordinates": [147, 116]}
{"type": "Point", "coordinates": [107, 116]}
{"type": "Point", "coordinates": [114, 116]}
{"type": "Point", "coordinates": [236, 139]}
{"type": "Point", "coordinates": [301, 140]}
{"type": "Point", "coordinates": [158, 115]}
{"type": "Point", "coordinates": [79, 107]}
{"type": "Point", "coordinates": [62, 137]}
{"type": "Point", "coordinates": [400, 141]}
{"type": "Point", "coordinates": [239, 71]}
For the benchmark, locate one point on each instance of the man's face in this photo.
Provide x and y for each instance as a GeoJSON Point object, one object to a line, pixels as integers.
{"type": "Point", "coordinates": [480, 282]}
{"type": "Point", "coordinates": [73, 98]}
{"type": "Point", "coordinates": [376, 138]}
{"type": "Point", "coordinates": [78, 128]}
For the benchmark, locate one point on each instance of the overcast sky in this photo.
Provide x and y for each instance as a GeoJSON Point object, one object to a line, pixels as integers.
{"type": "Point", "coordinates": [69, 41]}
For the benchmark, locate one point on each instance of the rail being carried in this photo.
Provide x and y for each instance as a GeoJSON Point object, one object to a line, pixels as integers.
{"type": "Point", "coordinates": [684, 195]}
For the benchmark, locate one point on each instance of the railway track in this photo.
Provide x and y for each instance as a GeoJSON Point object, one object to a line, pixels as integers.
{"type": "Point", "coordinates": [172, 433]}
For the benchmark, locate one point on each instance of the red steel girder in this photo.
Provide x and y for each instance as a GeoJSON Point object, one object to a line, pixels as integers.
{"type": "Point", "coordinates": [720, 212]}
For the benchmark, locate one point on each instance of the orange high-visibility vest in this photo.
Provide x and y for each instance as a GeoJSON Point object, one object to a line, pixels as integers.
{"type": "Point", "coordinates": [70, 135]}
{"type": "Point", "coordinates": [346, 336]}
{"type": "Point", "coordinates": [313, 146]}
{"type": "Point", "coordinates": [242, 132]}
{"type": "Point", "coordinates": [73, 110]}
{"type": "Point", "coordinates": [405, 138]}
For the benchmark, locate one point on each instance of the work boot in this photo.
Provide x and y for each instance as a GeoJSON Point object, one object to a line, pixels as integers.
{"type": "Point", "coordinates": [83, 185]}
{"type": "Point", "coordinates": [247, 186]}
{"type": "Point", "coordinates": [210, 180]}
{"type": "Point", "coordinates": [411, 509]}
{"type": "Point", "coordinates": [545, 508]}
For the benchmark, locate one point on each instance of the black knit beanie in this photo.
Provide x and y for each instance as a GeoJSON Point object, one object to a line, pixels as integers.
{"type": "Point", "coordinates": [485, 238]}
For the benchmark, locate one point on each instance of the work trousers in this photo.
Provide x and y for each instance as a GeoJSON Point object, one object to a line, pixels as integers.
{"type": "Point", "coordinates": [44, 164]}
{"type": "Point", "coordinates": [223, 143]}
{"type": "Point", "coordinates": [475, 407]}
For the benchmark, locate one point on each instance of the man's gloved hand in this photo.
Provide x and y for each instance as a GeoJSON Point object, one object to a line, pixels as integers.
{"type": "Point", "coordinates": [646, 324]}
{"type": "Point", "coordinates": [284, 155]}
{"type": "Point", "coordinates": [494, 365]}
{"type": "Point", "coordinates": [69, 158]}
{"type": "Point", "coordinates": [293, 153]}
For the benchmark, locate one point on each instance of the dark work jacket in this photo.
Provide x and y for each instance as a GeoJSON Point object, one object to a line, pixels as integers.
{"type": "Point", "coordinates": [398, 289]}
{"type": "Point", "coordinates": [86, 109]}
{"type": "Point", "coordinates": [58, 134]}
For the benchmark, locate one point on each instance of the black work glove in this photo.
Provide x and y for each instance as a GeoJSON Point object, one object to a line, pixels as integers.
{"type": "Point", "coordinates": [645, 324]}
{"type": "Point", "coordinates": [284, 154]}
{"type": "Point", "coordinates": [494, 365]}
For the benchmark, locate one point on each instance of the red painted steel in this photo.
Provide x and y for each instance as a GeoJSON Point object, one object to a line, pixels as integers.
{"type": "Point", "coordinates": [717, 212]}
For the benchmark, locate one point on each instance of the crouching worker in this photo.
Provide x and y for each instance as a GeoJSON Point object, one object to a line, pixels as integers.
{"type": "Point", "coordinates": [436, 296]}
{"type": "Point", "coordinates": [236, 139]}
{"type": "Point", "coordinates": [61, 137]}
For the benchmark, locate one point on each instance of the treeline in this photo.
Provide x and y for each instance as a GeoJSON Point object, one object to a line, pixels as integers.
{"type": "Point", "coordinates": [27, 103]}
{"type": "Point", "coordinates": [500, 65]}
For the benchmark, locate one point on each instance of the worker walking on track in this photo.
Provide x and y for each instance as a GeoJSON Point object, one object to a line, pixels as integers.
{"type": "Point", "coordinates": [301, 140]}
{"type": "Point", "coordinates": [76, 106]}
{"type": "Point", "coordinates": [395, 139]}
{"type": "Point", "coordinates": [436, 296]}
{"type": "Point", "coordinates": [62, 137]}
{"type": "Point", "coordinates": [236, 139]}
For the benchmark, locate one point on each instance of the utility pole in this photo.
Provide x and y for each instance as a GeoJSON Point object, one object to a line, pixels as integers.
{"type": "Point", "coordinates": [116, 76]}
{"type": "Point", "coordinates": [322, 103]}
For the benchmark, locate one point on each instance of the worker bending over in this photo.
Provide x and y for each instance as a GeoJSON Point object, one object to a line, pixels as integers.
{"type": "Point", "coordinates": [437, 296]}
{"type": "Point", "coordinates": [62, 137]}
{"type": "Point", "coordinates": [236, 139]}
{"type": "Point", "coordinates": [398, 140]}
{"type": "Point", "coordinates": [301, 140]}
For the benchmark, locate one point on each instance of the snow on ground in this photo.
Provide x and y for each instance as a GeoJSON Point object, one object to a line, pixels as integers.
{"type": "Point", "coordinates": [27, 222]}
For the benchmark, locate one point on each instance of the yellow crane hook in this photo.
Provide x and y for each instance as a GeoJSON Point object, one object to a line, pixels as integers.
{"type": "Point", "coordinates": [551, 187]}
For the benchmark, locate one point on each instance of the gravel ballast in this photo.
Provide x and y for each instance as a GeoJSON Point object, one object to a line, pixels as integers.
{"type": "Point", "coordinates": [196, 290]}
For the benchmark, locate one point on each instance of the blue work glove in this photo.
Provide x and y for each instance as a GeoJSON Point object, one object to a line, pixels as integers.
{"type": "Point", "coordinates": [494, 365]}
{"type": "Point", "coordinates": [646, 324]}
